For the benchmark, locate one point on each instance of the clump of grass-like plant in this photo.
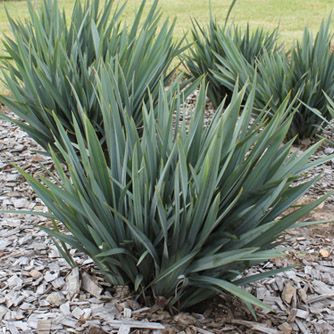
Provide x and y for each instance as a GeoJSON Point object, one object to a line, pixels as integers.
{"type": "Point", "coordinates": [209, 44]}
{"type": "Point", "coordinates": [305, 72]}
{"type": "Point", "coordinates": [50, 64]}
{"type": "Point", "coordinates": [179, 210]}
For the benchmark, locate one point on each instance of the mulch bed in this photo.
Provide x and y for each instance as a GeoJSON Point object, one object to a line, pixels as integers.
{"type": "Point", "coordinates": [41, 293]}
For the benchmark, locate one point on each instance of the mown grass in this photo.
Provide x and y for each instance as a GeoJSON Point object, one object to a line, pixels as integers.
{"type": "Point", "coordinates": [291, 15]}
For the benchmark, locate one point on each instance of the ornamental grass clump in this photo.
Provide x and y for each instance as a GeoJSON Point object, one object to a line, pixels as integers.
{"type": "Point", "coordinates": [50, 64]}
{"type": "Point", "coordinates": [182, 209]}
{"type": "Point", "coordinates": [209, 43]}
{"type": "Point", "coordinates": [306, 72]}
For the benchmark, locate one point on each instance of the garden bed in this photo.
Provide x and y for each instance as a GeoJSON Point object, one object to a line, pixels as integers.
{"type": "Point", "coordinates": [41, 293]}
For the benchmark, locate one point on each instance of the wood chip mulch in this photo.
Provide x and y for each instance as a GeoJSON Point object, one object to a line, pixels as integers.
{"type": "Point", "coordinates": [41, 293]}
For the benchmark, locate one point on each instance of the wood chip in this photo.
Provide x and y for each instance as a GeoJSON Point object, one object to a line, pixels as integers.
{"type": "Point", "coordinates": [124, 329]}
{"type": "Point", "coordinates": [203, 331]}
{"type": "Point", "coordinates": [323, 327]}
{"type": "Point", "coordinates": [136, 324]}
{"type": "Point", "coordinates": [285, 328]}
{"type": "Point", "coordinates": [89, 285]}
{"type": "Point", "coordinates": [58, 283]}
{"type": "Point", "coordinates": [77, 312]}
{"type": "Point", "coordinates": [302, 314]}
{"type": "Point", "coordinates": [292, 316]}
{"type": "Point", "coordinates": [288, 293]}
{"type": "Point", "coordinates": [35, 274]}
{"type": "Point", "coordinates": [15, 283]}
{"type": "Point", "coordinates": [11, 328]}
{"type": "Point", "coordinates": [320, 298]}
{"type": "Point", "coordinates": [324, 253]}
{"type": "Point", "coordinates": [302, 327]}
{"type": "Point", "coordinates": [73, 283]}
{"type": "Point", "coordinates": [65, 308]}
{"type": "Point", "coordinates": [50, 277]}
{"type": "Point", "coordinates": [55, 298]}
{"type": "Point", "coordinates": [303, 295]}
{"type": "Point", "coordinates": [43, 326]}
{"type": "Point", "coordinates": [257, 326]}
{"type": "Point", "coordinates": [69, 322]}
{"type": "Point", "coordinates": [127, 312]}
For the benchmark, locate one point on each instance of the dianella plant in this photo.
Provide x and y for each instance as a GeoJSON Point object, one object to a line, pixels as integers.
{"type": "Point", "coordinates": [208, 46]}
{"type": "Point", "coordinates": [306, 72]}
{"type": "Point", "coordinates": [182, 209]}
{"type": "Point", "coordinates": [51, 61]}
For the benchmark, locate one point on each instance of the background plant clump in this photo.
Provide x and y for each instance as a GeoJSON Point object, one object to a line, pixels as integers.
{"type": "Point", "coordinates": [203, 57]}
{"type": "Point", "coordinates": [52, 62]}
{"type": "Point", "coordinates": [227, 55]}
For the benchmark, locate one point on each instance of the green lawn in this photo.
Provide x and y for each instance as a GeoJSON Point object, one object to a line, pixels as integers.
{"type": "Point", "coordinates": [291, 15]}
